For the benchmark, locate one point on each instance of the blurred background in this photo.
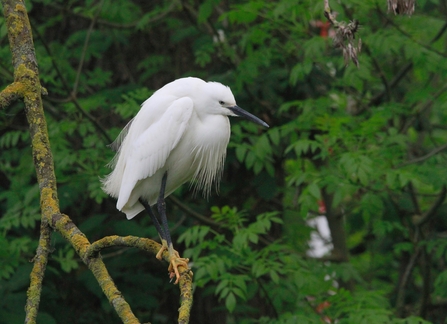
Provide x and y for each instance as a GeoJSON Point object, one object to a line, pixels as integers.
{"type": "Point", "coordinates": [335, 214]}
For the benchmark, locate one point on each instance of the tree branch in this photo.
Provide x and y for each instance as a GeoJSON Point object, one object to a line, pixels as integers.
{"type": "Point", "coordinates": [132, 24]}
{"type": "Point", "coordinates": [431, 212]}
{"type": "Point", "coordinates": [10, 94]}
{"type": "Point", "coordinates": [153, 247]}
{"type": "Point", "coordinates": [80, 243]}
{"type": "Point", "coordinates": [400, 30]}
{"type": "Point", "coordinates": [407, 68]}
{"type": "Point", "coordinates": [400, 302]}
{"type": "Point", "coordinates": [37, 273]}
{"type": "Point", "coordinates": [84, 49]}
{"type": "Point", "coordinates": [422, 108]}
{"type": "Point", "coordinates": [424, 157]}
{"type": "Point", "coordinates": [27, 86]}
{"type": "Point", "coordinates": [72, 98]}
{"type": "Point", "coordinates": [193, 213]}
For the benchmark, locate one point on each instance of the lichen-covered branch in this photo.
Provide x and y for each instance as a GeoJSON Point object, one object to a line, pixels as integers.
{"type": "Point", "coordinates": [37, 273]}
{"type": "Point", "coordinates": [27, 86]}
{"type": "Point", "coordinates": [129, 241]}
{"type": "Point", "coordinates": [81, 244]}
{"type": "Point", "coordinates": [153, 247]}
{"type": "Point", "coordinates": [10, 94]}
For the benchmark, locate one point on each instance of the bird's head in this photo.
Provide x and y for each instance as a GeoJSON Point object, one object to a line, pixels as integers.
{"type": "Point", "coordinates": [220, 100]}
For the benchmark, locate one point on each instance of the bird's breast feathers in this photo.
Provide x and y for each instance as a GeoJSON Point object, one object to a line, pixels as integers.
{"type": "Point", "coordinates": [209, 141]}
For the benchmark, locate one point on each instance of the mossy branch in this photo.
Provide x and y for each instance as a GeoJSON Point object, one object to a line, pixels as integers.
{"type": "Point", "coordinates": [37, 273]}
{"type": "Point", "coordinates": [10, 94]}
{"type": "Point", "coordinates": [27, 86]}
{"type": "Point", "coordinates": [153, 247]}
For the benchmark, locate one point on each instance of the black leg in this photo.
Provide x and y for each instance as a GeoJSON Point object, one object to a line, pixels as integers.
{"type": "Point", "coordinates": [174, 257]}
{"type": "Point", "coordinates": [148, 208]}
{"type": "Point", "coordinates": [162, 209]}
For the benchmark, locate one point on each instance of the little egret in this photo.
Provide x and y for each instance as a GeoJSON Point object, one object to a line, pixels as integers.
{"type": "Point", "coordinates": [180, 133]}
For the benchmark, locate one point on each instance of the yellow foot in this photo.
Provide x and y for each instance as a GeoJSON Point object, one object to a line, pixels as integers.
{"type": "Point", "coordinates": [175, 262]}
{"type": "Point", "coordinates": [160, 252]}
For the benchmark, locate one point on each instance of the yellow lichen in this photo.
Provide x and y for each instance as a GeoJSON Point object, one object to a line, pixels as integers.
{"type": "Point", "coordinates": [20, 8]}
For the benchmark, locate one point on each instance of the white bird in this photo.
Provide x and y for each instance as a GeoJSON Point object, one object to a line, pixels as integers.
{"type": "Point", "coordinates": [180, 134]}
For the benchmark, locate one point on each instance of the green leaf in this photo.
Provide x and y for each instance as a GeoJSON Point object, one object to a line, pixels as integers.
{"type": "Point", "coordinates": [230, 302]}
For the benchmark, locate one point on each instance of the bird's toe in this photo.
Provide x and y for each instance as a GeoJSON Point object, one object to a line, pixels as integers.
{"type": "Point", "coordinates": [175, 262]}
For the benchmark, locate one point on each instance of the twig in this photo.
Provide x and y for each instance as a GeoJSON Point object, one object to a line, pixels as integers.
{"type": "Point", "coordinates": [439, 34]}
{"type": "Point", "coordinates": [193, 213]}
{"type": "Point", "coordinates": [132, 24]}
{"type": "Point", "coordinates": [70, 97]}
{"type": "Point", "coordinates": [381, 73]}
{"type": "Point", "coordinates": [431, 212]}
{"type": "Point", "coordinates": [414, 199]}
{"type": "Point", "coordinates": [403, 282]}
{"type": "Point", "coordinates": [204, 219]}
{"type": "Point", "coordinates": [84, 49]}
{"type": "Point", "coordinates": [400, 30]}
{"type": "Point", "coordinates": [422, 108]}
{"type": "Point", "coordinates": [399, 76]}
{"type": "Point", "coordinates": [423, 158]}
{"type": "Point", "coordinates": [407, 68]}
{"type": "Point", "coordinates": [425, 269]}
{"type": "Point", "coordinates": [269, 300]}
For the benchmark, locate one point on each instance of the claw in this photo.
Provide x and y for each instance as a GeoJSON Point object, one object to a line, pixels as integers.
{"type": "Point", "coordinates": [164, 247]}
{"type": "Point", "coordinates": [175, 262]}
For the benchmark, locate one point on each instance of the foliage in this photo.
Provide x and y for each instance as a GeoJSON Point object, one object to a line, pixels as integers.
{"type": "Point", "coordinates": [365, 144]}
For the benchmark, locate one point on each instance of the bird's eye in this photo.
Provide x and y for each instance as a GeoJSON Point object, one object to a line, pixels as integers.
{"type": "Point", "coordinates": [221, 102]}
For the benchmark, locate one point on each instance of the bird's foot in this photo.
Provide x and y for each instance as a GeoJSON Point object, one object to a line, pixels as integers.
{"type": "Point", "coordinates": [175, 262]}
{"type": "Point", "coordinates": [164, 247]}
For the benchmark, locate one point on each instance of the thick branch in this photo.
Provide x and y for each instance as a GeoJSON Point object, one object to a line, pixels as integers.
{"type": "Point", "coordinates": [72, 234]}
{"type": "Point", "coordinates": [152, 247]}
{"type": "Point", "coordinates": [27, 85]}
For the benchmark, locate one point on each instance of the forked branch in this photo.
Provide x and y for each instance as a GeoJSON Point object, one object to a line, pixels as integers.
{"type": "Point", "coordinates": [27, 86]}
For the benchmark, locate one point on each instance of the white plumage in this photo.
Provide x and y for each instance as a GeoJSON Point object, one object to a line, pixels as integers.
{"type": "Point", "coordinates": [182, 129]}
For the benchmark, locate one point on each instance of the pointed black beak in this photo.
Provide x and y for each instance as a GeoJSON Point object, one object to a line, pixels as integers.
{"type": "Point", "coordinates": [245, 114]}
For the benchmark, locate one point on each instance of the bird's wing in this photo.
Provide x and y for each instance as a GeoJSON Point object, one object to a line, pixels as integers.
{"type": "Point", "coordinates": [149, 152]}
{"type": "Point", "coordinates": [116, 144]}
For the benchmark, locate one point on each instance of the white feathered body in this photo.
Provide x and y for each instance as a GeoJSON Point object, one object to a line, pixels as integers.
{"type": "Point", "coordinates": [171, 133]}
